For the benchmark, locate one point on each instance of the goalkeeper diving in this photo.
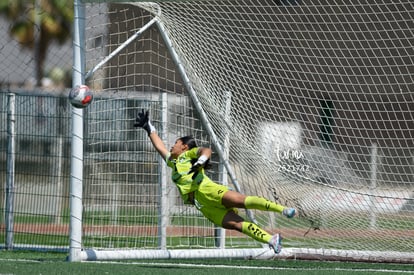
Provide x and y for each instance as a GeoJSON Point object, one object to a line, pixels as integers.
{"type": "Point", "coordinates": [215, 201]}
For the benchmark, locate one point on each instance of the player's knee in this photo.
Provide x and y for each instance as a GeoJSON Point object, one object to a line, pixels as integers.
{"type": "Point", "coordinates": [232, 221]}
{"type": "Point", "coordinates": [233, 225]}
{"type": "Point", "coordinates": [233, 199]}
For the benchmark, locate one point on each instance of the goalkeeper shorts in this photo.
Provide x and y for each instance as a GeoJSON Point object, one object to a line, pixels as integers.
{"type": "Point", "coordinates": [208, 198]}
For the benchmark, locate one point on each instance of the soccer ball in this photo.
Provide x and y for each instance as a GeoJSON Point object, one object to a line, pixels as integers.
{"type": "Point", "coordinates": [80, 96]}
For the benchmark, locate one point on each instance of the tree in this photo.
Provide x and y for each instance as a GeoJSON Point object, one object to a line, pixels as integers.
{"type": "Point", "coordinates": [36, 23]}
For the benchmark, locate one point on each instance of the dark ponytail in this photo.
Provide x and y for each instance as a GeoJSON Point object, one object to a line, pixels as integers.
{"type": "Point", "coordinates": [189, 141]}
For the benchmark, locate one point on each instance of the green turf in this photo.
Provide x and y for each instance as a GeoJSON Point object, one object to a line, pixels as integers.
{"type": "Point", "coordinates": [19, 262]}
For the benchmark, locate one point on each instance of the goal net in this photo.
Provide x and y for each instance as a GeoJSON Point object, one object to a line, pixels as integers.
{"type": "Point", "coordinates": [307, 103]}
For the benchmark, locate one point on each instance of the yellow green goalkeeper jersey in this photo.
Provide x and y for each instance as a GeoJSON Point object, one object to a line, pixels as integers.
{"type": "Point", "coordinates": [180, 176]}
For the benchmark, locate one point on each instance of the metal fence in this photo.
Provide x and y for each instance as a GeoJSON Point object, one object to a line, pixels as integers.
{"type": "Point", "coordinates": [35, 152]}
{"type": "Point", "coordinates": [34, 192]}
{"type": "Point", "coordinates": [34, 168]}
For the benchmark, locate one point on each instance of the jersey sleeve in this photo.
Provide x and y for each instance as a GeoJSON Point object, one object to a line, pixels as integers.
{"type": "Point", "coordinates": [168, 160]}
{"type": "Point", "coordinates": [193, 153]}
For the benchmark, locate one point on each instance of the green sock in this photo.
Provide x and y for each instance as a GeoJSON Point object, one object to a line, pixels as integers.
{"type": "Point", "coordinates": [259, 203]}
{"type": "Point", "coordinates": [252, 230]}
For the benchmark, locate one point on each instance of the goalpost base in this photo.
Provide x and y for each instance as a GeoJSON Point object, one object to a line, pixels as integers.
{"type": "Point", "coordinates": [249, 254]}
{"type": "Point", "coordinates": [246, 253]}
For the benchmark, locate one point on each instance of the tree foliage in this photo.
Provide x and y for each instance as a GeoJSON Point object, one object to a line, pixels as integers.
{"type": "Point", "coordinates": [35, 24]}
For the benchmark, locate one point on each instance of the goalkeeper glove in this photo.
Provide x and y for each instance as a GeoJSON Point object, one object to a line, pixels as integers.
{"type": "Point", "coordinates": [143, 121]}
{"type": "Point", "coordinates": [201, 162]}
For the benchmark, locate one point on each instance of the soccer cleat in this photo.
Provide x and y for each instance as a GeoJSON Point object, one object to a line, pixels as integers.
{"type": "Point", "coordinates": [276, 243]}
{"type": "Point", "coordinates": [289, 212]}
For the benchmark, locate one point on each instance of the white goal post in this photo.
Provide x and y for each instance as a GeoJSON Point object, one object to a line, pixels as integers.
{"type": "Point", "coordinates": [307, 104]}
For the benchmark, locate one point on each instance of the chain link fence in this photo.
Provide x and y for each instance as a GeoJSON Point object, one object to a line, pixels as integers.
{"type": "Point", "coordinates": [34, 191]}
{"type": "Point", "coordinates": [35, 164]}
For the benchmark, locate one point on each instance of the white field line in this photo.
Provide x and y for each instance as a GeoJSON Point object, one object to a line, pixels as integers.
{"type": "Point", "coordinates": [257, 267]}
{"type": "Point", "coordinates": [227, 266]}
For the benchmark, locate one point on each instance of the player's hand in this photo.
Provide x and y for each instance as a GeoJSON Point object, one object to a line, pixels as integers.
{"type": "Point", "coordinates": [143, 121]}
{"type": "Point", "coordinates": [199, 164]}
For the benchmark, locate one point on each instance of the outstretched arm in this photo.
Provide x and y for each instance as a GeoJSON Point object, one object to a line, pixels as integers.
{"type": "Point", "coordinates": [143, 121]}
{"type": "Point", "coordinates": [158, 144]}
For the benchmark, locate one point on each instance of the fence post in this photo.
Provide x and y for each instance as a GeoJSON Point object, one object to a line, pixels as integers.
{"type": "Point", "coordinates": [373, 185]}
{"type": "Point", "coordinates": [220, 233]}
{"type": "Point", "coordinates": [11, 153]}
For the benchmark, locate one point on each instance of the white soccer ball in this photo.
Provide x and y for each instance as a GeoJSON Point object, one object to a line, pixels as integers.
{"type": "Point", "coordinates": [80, 96]}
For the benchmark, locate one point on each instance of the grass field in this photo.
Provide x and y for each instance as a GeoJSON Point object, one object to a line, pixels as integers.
{"type": "Point", "coordinates": [18, 262]}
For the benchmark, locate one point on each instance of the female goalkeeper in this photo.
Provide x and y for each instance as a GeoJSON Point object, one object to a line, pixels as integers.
{"type": "Point", "coordinates": [215, 201]}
